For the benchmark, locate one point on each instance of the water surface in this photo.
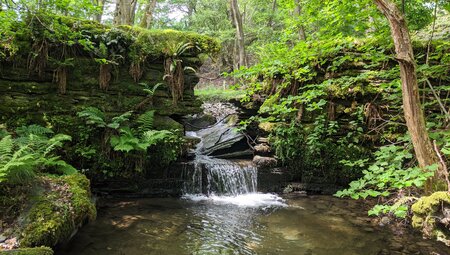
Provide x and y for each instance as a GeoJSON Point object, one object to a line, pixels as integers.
{"type": "Point", "coordinates": [215, 225]}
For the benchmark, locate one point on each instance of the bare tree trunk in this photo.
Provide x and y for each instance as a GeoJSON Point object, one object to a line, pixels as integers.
{"type": "Point", "coordinates": [414, 117]}
{"type": "Point", "coordinates": [240, 40]}
{"type": "Point", "coordinates": [301, 28]}
{"type": "Point", "coordinates": [101, 5]}
{"type": "Point", "coordinates": [125, 11]}
{"type": "Point", "coordinates": [147, 20]}
{"type": "Point", "coordinates": [274, 9]}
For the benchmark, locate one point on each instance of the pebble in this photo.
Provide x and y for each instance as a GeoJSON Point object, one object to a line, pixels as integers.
{"type": "Point", "coordinates": [396, 246]}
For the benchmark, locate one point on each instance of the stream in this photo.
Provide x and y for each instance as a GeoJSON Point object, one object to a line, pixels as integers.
{"type": "Point", "coordinates": [222, 212]}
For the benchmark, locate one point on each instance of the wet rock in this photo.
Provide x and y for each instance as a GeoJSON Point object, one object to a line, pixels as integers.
{"type": "Point", "coordinates": [384, 252]}
{"type": "Point", "coordinates": [264, 161]}
{"type": "Point", "coordinates": [198, 121]}
{"type": "Point", "coordinates": [262, 140]}
{"type": "Point", "coordinates": [262, 149]}
{"type": "Point", "coordinates": [220, 137]}
{"type": "Point", "coordinates": [385, 221]}
{"type": "Point", "coordinates": [395, 246]}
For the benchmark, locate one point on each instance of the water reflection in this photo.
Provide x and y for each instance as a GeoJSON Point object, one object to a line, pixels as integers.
{"type": "Point", "coordinates": [308, 226]}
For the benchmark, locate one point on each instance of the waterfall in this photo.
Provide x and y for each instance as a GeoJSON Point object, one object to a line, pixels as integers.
{"type": "Point", "coordinates": [223, 180]}
{"type": "Point", "coordinates": [212, 176]}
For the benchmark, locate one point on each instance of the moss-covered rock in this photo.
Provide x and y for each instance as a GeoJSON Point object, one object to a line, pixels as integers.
{"type": "Point", "coordinates": [58, 208]}
{"type": "Point", "coordinates": [428, 215]}
{"type": "Point", "coordinates": [29, 251]}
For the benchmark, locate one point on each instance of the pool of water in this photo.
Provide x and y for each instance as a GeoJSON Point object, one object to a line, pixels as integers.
{"type": "Point", "coordinates": [315, 225]}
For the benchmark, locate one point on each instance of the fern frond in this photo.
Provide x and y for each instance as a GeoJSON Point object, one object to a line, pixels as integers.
{"type": "Point", "coordinates": [145, 121]}
{"type": "Point", "coordinates": [93, 116]}
{"type": "Point", "coordinates": [6, 147]}
{"type": "Point", "coordinates": [56, 142]}
{"type": "Point", "coordinates": [152, 137]}
{"type": "Point", "coordinates": [36, 130]}
{"type": "Point", "coordinates": [117, 121]}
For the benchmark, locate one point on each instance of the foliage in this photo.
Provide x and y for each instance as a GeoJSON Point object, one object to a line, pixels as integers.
{"type": "Point", "coordinates": [31, 152]}
{"type": "Point", "coordinates": [218, 94]}
{"type": "Point", "coordinates": [388, 174]}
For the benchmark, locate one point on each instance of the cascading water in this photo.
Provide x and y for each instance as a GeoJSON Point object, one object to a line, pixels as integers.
{"type": "Point", "coordinates": [223, 180]}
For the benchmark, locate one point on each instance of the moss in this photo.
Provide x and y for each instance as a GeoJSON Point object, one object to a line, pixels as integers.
{"type": "Point", "coordinates": [29, 251]}
{"type": "Point", "coordinates": [167, 123]}
{"type": "Point", "coordinates": [267, 126]}
{"type": "Point", "coordinates": [430, 204]}
{"type": "Point", "coordinates": [60, 206]}
{"type": "Point", "coordinates": [425, 212]}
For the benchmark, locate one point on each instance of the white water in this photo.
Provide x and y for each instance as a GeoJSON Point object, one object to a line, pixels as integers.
{"type": "Point", "coordinates": [221, 181]}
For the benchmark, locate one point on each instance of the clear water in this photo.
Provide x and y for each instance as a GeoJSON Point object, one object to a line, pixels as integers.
{"type": "Point", "coordinates": [303, 226]}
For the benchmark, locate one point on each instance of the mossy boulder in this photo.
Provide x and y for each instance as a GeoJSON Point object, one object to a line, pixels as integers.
{"type": "Point", "coordinates": [29, 251]}
{"type": "Point", "coordinates": [430, 216]}
{"type": "Point", "coordinates": [58, 208]}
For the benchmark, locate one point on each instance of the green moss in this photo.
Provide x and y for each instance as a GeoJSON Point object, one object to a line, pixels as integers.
{"type": "Point", "coordinates": [166, 123]}
{"type": "Point", "coordinates": [29, 251]}
{"type": "Point", "coordinates": [429, 205]}
{"type": "Point", "coordinates": [58, 209]}
{"type": "Point", "coordinates": [426, 210]}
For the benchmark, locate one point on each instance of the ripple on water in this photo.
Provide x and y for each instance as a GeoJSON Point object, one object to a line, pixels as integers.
{"type": "Point", "coordinates": [244, 200]}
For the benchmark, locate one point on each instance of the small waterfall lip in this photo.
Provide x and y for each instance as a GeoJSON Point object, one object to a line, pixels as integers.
{"type": "Point", "coordinates": [222, 181]}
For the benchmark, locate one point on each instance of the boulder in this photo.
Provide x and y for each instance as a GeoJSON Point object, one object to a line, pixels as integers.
{"type": "Point", "coordinates": [264, 161]}
{"type": "Point", "coordinates": [262, 149]}
{"type": "Point", "coordinates": [220, 137]}
{"type": "Point", "coordinates": [431, 214]}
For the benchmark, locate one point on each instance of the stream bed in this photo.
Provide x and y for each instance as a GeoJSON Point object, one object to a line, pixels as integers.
{"type": "Point", "coordinates": [314, 225]}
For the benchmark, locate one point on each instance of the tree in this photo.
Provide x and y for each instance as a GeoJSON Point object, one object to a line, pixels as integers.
{"type": "Point", "coordinates": [301, 27]}
{"type": "Point", "coordinates": [414, 117]}
{"type": "Point", "coordinates": [146, 21]}
{"type": "Point", "coordinates": [101, 5]}
{"type": "Point", "coordinates": [125, 12]}
{"type": "Point", "coordinates": [240, 39]}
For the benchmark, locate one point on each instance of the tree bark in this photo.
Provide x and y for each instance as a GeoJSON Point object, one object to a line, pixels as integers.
{"type": "Point", "coordinates": [124, 12]}
{"type": "Point", "coordinates": [240, 40]}
{"type": "Point", "coordinates": [301, 28]}
{"type": "Point", "coordinates": [147, 20]}
{"type": "Point", "coordinates": [274, 9]}
{"type": "Point", "coordinates": [414, 116]}
{"type": "Point", "coordinates": [101, 5]}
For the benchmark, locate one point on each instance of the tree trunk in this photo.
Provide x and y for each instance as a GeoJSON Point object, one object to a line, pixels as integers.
{"type": "Point", "coordinates": [125, 11]}
{"type": "Point", "coordinates": [146, 21]}
{"type": "Point", "coordinates": [301, 28]}
{"type": "Point", "coordinates": [101, 5]}
{"type": "Point", "coordinates": [274, 9]}
{"type": "Point", "coordinates": [240, 40]}
{"type": "Point", "coordinates": [414, 117]}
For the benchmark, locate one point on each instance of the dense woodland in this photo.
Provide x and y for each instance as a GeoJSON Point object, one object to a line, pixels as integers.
{"type": "Point", "coordinates": [354, 94]}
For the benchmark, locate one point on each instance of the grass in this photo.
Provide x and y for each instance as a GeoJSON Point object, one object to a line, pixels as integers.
{"type": "Point", "coordinates": [218, 94]}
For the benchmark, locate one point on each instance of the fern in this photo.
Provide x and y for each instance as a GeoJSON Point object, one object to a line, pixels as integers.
{"type": "Point", "coordinates": [36, 130]}
{"type": "Point", "coordinates": [55, 142]}
{"type": "Point", "coordinates": [145, 121]}
{"type": "Point", "coordinates": [93, 116]}
{"type": "Point", "coordinates": [126, 142]}
{"type": "Point", "coordinates": [21, 158]}
{"type": "Point", "coordinates": [117, 121]}
{"type": "Point", "coordinates": [153, 137]}
{"type": "Point", "coordinates": [6, 146]}
{"type": "Point", "coordinates": [15, 166]}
